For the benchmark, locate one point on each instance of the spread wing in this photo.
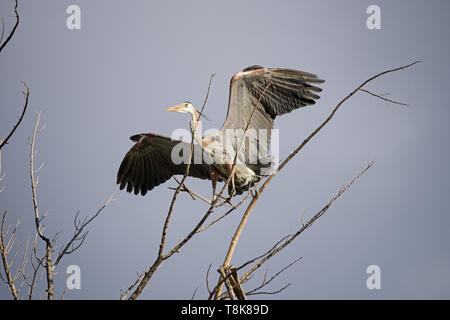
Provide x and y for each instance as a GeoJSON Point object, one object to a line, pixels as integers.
{"type": "Point", "coordinates": [258, 95]}
{"type": "Point", "coordinates": [280, 91]}
{"type": "Point", "coordinates": [149, 163]}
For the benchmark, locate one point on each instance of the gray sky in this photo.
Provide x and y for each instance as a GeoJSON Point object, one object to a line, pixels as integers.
{"type": "Point", "coordinates": [113, 78]}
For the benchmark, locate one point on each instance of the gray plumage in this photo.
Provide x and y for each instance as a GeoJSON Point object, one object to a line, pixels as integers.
{"type": "Point", "coordinates": [257, 96]}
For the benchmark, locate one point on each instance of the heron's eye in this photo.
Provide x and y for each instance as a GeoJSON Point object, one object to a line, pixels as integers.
{"type": "Point", "coordinates": [185, 104]}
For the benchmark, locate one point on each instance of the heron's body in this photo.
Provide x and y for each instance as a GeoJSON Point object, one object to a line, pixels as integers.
{"type": "Point", "coordinates": [257, 96]}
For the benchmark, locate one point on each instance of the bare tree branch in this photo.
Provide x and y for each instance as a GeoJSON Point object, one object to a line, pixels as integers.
{"type": "Point", "coordinates": [13, 30]}
{"type": "Point", "coordinates": [26, 93]}
{"type": "Point", "coordinates": [280, 245]}
{"type": "Point", "coordinates": [63, 294]}
{"type": "Point", "coordinates": [194, 195]}
{"type": "Point", "coordinates": [214, 291]}
{"type": "Point", "coordinates": [236, 284]}
{"type": "Point", "coordinates": [2, 175]}
{"type": "Point", "coordinates": [23, 261]}
{"type": "Point", "coordinates": [234, 207]}
{"type": "Point", "coordinates": [193, 295]}
{"type": "Point", "coordinates": [177, 247]}
{"type": "Point", "coordinates": [304, 226]}
{"type": "Point", "coordinates": [48, 244]}
{"type": "Point", "coordinates": [78, 235]}
{"type": "Point", "coordinates": [226, 279]}
{"type": "Point", "coordinates": [227, 201]}
{"type": "Point", "coordinates": [383, 98]}
{"type": "Point", "coordinates": [73, 243]}
{"type": "Point", "coordinates": [3, 30]}
{"type": "Point", "coordinates": [35, 279]}
{"type": "Point", "coordinates": [270, 292]}
{"type": "Point", "coordinates": [125, 294]}
{"type": "Point", "coordinates": [207, 279]}
{"type": "Point", "coordinates": [265, 282]}
{"type": "Point", "coordinates": [6, 267]}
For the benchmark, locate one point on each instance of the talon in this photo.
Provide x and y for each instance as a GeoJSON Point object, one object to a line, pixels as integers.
{"type": "Point", "coordinates": [254, 193]}
{"type": "Point", "coordinates": [233, 191]}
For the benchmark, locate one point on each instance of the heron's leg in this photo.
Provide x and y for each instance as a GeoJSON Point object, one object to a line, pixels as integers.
{"type": "Point", "coordinates": [214, 173]}
{"type": "Point", "coordinates": [233, 188]}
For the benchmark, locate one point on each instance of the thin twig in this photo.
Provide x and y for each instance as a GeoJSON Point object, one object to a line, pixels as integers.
{"type": "Point", "coordinates": [125, 294]}
{"type": "Point", "coordinates": [70, 247]}
{"type": "Point", "coordinates": [34, 279]}
{"type": "Point", "coordinates": [270, 292]}
{"type": "Point", "coordinates": [383, 98]}
{"type": "Point", "coordinates": [207, 278]}
{"type": "Point", "coordinates": [234, 207]}
{"type": "Point", "coordinates": [13, 30]}
{"type": "Point", "coordinates": [6, 267]}
{"type": "Point", "coordinates": [193, 295]}
{"type": "Point", "coordinates": [26, 93]}
{"type": "Point", "coordinates": [275, 246]}
{"type": "Point", "coordinates": [64, 292]}
{"type": "Point", "coordinates": [265, 283]}
{"type": "Point", "coordinates": [3, 30]}
{"type": "Point", "coordinates": [304, 226]}
{"type": "Point", "coordinates": [195, 195]}
{"type": "Point", "coordinates": [2, 176]}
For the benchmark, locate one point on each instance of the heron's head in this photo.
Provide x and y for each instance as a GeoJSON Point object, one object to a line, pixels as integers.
{"type": "Point", "coordinates": [185, 107]}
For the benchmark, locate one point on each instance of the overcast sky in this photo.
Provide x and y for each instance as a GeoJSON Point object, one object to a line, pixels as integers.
{"type": "Point", "coordinates": [131, 59]}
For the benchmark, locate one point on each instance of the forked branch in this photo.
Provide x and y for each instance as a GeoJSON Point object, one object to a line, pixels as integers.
{"type": "Point", "coordinates": [73, 243]}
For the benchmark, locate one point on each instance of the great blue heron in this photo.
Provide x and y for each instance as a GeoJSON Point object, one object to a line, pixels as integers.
{"type": "Point", "coordinates": [257, 96]}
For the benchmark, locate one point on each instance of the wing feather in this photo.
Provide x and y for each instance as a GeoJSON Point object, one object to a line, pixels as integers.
{"type": "Point", "coordinates": [148, 164]}
{"type": "Point", "coordinates": [146, 183]}
{"type": "Point", "coordinates": [278, 91]}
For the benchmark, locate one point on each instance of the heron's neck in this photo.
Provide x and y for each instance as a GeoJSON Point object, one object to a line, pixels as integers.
{"type": "Point", "coordinates": [194, 129]}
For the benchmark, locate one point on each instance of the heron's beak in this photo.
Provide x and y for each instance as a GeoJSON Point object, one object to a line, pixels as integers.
{"type": "Point", "coordinates": [178, 107]}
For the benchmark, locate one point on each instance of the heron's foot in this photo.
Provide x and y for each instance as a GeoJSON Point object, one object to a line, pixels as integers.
{"type": "Point", "coordinates": [254, 193]}
{"type": "Point", "coordinates": [233, 192]}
